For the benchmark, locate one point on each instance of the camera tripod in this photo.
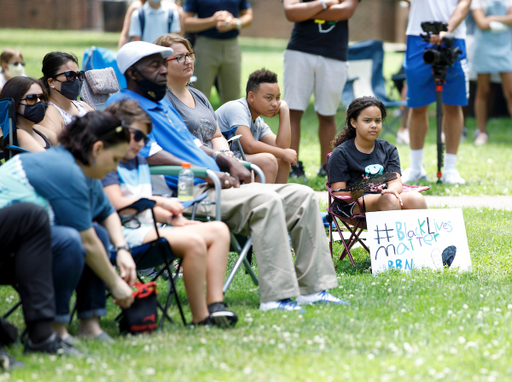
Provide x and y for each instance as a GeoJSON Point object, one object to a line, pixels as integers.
{"type": "Point", "coordinates": [439, 72]}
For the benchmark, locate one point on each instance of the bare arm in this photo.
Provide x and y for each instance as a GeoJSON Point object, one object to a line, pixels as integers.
{"type": "Point", "coordinates": [218, 140]}
{"type": "Point", "coordinates": [98, 261]}
{"type": "Point", "coordinates": [53, 120]}
{"type": "Point", "coordinates": [252, 146]}
{"type": "Point", "coordinates": [194, 24]}
{"type": "Point", "coordinates": [164, 158]}
{"type": "Point", "coordinates": [124, 260]}
{"type": "Point", "coordinates": [483, 21]}
{"type": "Point", "coordinates": [164, 209]}
{"type": "Point", "coordinates": [27, 142]}
{"type": "Point", "coordinates": [339, 12]}
{"type": "Point", "coordinates": [458, 15]}
{"type": "Point", "coordinates": [124, 38]}
{"type": "Point", "coordinates": [296, 11]}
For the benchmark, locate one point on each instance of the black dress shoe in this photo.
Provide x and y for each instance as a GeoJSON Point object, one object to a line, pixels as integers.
{"type": "Point", "coordinates": [52, 345]}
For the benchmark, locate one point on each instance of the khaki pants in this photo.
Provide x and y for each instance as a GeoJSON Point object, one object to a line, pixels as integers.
{"type": "Point", "coordinates": [222, 58]}
{"type": "Point", "coordinates": [268, 212]}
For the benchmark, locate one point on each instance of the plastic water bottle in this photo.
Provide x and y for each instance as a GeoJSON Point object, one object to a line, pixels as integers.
{"type": "Point", "coordinates": [186, 183]}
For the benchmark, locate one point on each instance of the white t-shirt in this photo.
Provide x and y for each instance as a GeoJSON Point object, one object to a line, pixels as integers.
{"type": "Point", "coordinates": [482, 4]}
{"type": "Point", "coordinates": [432, 10]}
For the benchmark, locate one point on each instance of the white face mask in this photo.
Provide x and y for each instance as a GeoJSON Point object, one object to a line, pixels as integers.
{"type": "Point", "coordinates": [15, 70]}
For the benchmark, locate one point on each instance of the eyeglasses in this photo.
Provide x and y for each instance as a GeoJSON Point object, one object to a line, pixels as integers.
{"type": "Point", "coordinates": [71, 75]}
{"type": "Point", "coordinates": [31, 99]}
{"type": "Point", "coordinates": [184, 57]}
{"type": "Point", "coordinates": [137, 134]}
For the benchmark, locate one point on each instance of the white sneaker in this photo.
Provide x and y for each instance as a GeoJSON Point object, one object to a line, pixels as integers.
{"type": "Point", "coordinates": [403, 137]}
{"type": "Point", "coordinates": [286, 304]}
{"type": "Point", "coordinates": [411, 176]}
{"type": "Point", "coordinates": [481, 139]}
{"type": "Point", "coordinates": [320, 297]}
{"type": "Point", "coordinates": [452, 177]}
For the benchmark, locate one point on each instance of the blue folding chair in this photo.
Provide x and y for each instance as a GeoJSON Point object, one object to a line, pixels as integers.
{"type": "Point", "coordinates": [101, 58]}
{"type": "Point", "coordinates": [8, 123]}
{"type": "Point", "coordinates": [365, 78]}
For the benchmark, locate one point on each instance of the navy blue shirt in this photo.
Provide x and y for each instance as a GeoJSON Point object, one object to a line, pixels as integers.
{"type": "Point", "coordinates": [206, 8]}
{"type": "Point", "coordinates": [348, 164]}
{"type": "Point", "coordinates": [322, 38]}
{"type": "Point", "coordinates": [170, 134]}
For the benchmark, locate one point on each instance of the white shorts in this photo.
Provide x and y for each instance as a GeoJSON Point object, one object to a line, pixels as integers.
{"type": "Point", "coordinates": [305, 74]}
{"type": "Point", "coordinates": [135, 236]}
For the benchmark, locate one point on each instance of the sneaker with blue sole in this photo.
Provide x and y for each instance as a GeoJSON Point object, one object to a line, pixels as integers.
{"type": "Point", "coordinates": [322, 297]}
{"type": "Point", "coordinates": [287, 304]}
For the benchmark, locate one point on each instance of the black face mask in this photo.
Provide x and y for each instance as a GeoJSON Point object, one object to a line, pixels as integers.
{"type": "Point", "coordinates": [35, 113]}
{"type": "Point", "coordinates": [70, 89]}
{"type": "Point", "coordinates": [152, 90]}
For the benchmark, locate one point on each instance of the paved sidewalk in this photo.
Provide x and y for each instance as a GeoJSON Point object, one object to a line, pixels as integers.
{"type": "Point", "coordinates": [495, 202]}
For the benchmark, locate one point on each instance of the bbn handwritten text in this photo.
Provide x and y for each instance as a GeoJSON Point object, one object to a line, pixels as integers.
{"type": "Point", "coordinates": [401, 240]}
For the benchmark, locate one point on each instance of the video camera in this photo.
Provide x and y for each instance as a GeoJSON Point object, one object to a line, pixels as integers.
{"type": "Point", "coordinates": [439, 55]}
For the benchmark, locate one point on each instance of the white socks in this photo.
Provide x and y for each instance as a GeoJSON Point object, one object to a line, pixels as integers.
{"type": "Point", "coordinates": [417, 160]}
{"type": "Point", "coordinates": [449, 161]}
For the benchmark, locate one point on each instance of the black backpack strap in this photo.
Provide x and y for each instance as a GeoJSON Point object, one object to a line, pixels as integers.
{"type": "Point", "coordinates": [142, 20]}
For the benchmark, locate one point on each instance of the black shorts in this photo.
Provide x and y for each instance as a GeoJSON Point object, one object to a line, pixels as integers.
{"type": "Point", "coordinates": [342, 208]}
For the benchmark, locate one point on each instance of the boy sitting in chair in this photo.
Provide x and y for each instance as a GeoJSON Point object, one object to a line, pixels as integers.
{"type": "Point", "coordinates": [267, 150]}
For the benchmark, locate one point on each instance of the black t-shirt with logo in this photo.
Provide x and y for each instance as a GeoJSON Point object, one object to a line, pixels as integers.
{"type": "Point", "coordinates": [320, 37]}
{"type": "Point", "coordinates": [348, 164]}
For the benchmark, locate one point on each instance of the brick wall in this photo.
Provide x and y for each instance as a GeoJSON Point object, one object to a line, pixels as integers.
{"type": "Point", "coordinates": [51, 14]}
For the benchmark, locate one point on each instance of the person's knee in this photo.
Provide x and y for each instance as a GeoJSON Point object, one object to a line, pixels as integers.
{"type": "Point", "coordinates": [267, 162]}
{"type": "Point", "coordinates": [195, 246]}
{"type": "Point", "coordinates": [416, 200]}
{"type": "Point", "coordinates": [389, 202]}
{"type": "Point", "coordinates": [417, 112]}
{"type": "Point", "coordinates": [220, 230]}
{"type": "Point", "coordinates": [327, 119]}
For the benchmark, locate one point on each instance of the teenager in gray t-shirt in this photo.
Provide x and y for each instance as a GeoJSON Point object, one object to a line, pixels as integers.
{"type": "Point", "coordinates": [258, 141]}
{"type": "Point", "coordinates": [237, 113]}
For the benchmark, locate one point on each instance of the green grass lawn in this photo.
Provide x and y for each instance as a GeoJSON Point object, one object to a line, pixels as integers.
{"type": "Point", "coordinates": [420, 326]}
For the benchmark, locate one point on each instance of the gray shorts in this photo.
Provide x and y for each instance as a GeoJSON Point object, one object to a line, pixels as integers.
{"type": "Point", "coordinates": [305, 74]}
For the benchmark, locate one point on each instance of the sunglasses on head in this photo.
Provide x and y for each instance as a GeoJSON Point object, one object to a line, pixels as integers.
{"type": "Point", "coordinates": [31, 99]}
{"type": "Point", "coordinates": [137, 134]}
{"type": "Point", "coordinates": [71, 75]}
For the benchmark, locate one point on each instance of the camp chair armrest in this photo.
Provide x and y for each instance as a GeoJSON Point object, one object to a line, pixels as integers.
{"type": "Point", "coordinates": [199, 172]}
{"type": "Point", "coordinates": [140, 205]}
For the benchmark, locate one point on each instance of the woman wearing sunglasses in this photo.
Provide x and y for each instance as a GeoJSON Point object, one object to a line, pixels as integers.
{"type": "Point", "coordinates": [65, 180]}
{"type": "Point", "coordinates": [30, 103]}
{"type": "Point", "coordinates": [63, 81]}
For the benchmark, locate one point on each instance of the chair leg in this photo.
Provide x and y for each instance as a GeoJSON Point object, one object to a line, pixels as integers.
{"type": "Point", "coordinates": [11, 311]}
{"type": "Point", "coordinates": [241, 257]}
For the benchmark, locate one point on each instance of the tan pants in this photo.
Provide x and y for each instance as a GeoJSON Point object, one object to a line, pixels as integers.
{"type": "Point", "coordinates": [222, 58]}
{"type": "Point", "coordinates": [268, 212]}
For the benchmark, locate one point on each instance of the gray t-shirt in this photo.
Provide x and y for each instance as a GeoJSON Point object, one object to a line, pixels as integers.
{"type": "Point", "coordinates": [200, 121]}
{"type": "Point", "coordinates": [237, 113]}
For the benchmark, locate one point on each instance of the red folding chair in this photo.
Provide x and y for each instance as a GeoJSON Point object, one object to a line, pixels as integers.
{"type": "Point", "coordinates": [354, 224]}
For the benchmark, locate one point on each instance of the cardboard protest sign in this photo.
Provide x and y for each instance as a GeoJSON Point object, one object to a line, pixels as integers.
{"type": "Point", "coordinates": [409, 239]}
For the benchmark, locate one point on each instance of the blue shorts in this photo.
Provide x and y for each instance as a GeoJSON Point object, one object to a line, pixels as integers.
{"type": "Point", "coordinates": [421, 89]}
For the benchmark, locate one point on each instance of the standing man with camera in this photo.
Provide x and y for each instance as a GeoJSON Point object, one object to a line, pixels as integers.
{"type": "Point", "coordinates": [422, 90]}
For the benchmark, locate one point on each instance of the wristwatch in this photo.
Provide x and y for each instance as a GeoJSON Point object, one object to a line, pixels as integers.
{"type": "Point", "coordinates": [125, 247]}
{"type": "Point", "coordinates": [238, 24]}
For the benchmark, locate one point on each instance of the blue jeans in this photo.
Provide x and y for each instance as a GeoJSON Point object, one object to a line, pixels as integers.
{"type": "Point", "coordinates": [70, 273]}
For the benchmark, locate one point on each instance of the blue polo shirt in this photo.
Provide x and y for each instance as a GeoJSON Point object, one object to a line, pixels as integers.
{"type": "Point", "coordinates": [170, 134]}
{"type": "Point", "coordinates": [206, 8]}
